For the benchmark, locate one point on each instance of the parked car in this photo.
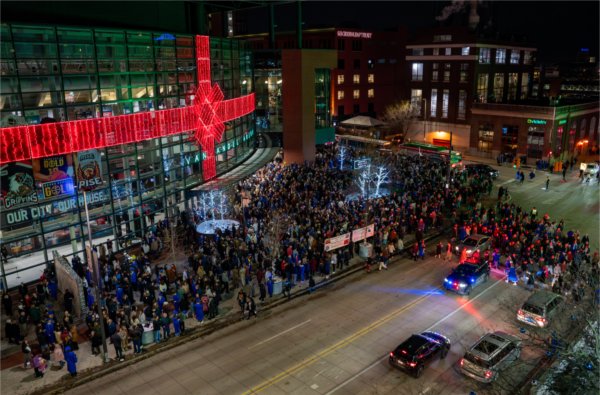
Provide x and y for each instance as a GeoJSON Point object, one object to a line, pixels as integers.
{"type": "Point", "coordinates": [540, 308]}
{"type": "Point", "coordinates": [589, 169]}
{"type": "Point", "coordinates": [418, 351]}
{"type": "Point", "coordinates": [491, 354]}
{"type": "Point", "coordinates": [473, 243]}
{"type": "Point", "coordinates": [467, 276]}
{"type": "Point", "coordinates": [481, 169]}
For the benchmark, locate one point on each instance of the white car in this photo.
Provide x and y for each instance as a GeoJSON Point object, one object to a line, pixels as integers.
{"type": "Point", "coordinates": [590, 169]}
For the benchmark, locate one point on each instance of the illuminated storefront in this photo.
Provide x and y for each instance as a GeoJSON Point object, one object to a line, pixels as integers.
{"type": "Point", "coordinates": [147, 116]}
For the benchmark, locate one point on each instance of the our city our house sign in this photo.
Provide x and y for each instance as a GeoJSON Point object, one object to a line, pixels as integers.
{"type": "Point", "coordinates": [204, 119]}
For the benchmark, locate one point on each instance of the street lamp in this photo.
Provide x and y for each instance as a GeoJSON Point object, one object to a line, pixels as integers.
{"type": "Point", "coordinates": [424, 117]}
{"type": "Point", "coordinates": [449, 165]}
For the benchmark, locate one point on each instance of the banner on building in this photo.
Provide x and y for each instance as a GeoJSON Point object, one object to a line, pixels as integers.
{"type": "Point", "coordinates": [17, 186]}
{"type": "Point", "coordinates": [334, 243]}
{"type": "Point", "coordinates": [89, 173]}
{"type": "Point", "coordinates": [54, 176]}
{"type": "Point", "coordinates": [363, 233]}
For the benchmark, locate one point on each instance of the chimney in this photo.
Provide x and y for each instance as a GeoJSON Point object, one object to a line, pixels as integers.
{"type": "Point", "coordinates": [473, 16]}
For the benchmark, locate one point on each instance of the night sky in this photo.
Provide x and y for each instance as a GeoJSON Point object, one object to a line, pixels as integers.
{"type": "Point", "coordinates": [557, 28]}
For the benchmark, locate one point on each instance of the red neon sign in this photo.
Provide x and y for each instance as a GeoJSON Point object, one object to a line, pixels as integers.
{"type": "Point", "coordinates": [204, 119]}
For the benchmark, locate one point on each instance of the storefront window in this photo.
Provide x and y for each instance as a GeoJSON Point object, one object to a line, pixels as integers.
{"type": "Point", "coordinates": [510, 134]}
{"type": "Point", "coordinates": [486, 138]}
{"type": "Point", "coordinates": [535, 142]}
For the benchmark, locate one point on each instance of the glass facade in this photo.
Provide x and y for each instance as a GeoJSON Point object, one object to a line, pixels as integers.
{"type": "Point", "coordinates": [53, 74]}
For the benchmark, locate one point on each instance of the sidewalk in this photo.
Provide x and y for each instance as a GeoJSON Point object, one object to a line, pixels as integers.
{"type": "Point", "coordinates": [18, 380]}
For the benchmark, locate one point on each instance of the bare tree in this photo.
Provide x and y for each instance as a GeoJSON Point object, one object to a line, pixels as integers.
{"type": "Point", "coordinates": [400, 115]}
{"type": "Point", "coordinates": [381, 176]}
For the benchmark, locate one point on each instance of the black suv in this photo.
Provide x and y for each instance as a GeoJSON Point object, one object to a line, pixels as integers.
{"type": "Point", "coordinates": [481, 169]}
{"type": "Point", "coordinates": [467, 276]}
{"type": "Point", "coordinates": [418, 351]}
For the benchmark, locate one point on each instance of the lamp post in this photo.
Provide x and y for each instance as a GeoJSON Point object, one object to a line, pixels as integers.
{"type": "Point", "coordinates": [424, 118]}
{"type": "Point", "coordinates": [449, 166]}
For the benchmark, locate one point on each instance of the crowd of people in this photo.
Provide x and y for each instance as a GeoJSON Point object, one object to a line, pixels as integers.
{"type": "Point", "coordinates": [291, 211]}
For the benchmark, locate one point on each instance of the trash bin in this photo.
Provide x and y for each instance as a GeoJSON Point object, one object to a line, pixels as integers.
{"type": "Point", "coordinates": [148, 336]}
{"type": "Point", "coordinates": [365, 250]}
{"type": "Point", "coordinates": [277, 286]}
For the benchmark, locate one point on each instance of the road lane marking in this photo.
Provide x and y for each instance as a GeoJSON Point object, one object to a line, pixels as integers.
{"type": "Point", "coordinates": [508, 182]}
{"type": "Point", "coordinates": [342, 343]}
{"type": "Point", "coordinates": [279, 334]}
{"type": "Point", "coordinates": [381, 359]}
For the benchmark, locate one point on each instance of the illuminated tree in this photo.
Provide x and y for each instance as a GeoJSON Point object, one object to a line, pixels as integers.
{"type": "Point", "coordinates": [342, 156]}
{"type": "Point", "coordinates": [363, 181]}
{"type": "Point", "coordinates": [380, 176]}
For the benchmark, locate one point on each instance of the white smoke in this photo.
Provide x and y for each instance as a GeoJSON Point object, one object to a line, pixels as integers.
{"type": "Point", "coordinates": [454, 8]}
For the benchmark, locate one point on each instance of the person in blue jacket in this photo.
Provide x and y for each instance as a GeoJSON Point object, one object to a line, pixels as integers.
{"type": "Point", "coordinates": [71, 359]}
{"type": "Point", "coordinates": [198, 311]}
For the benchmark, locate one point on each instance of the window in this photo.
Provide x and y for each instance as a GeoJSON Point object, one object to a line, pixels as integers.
{"type": "Point", "coordinates": [445, 97]}
{"type": "Point", "coordinates": [498, 86]}
{"type": "Point", "coordinates": [433, 106]}
{"type": "Point", "coordinates": [341, 44]}
{"type": "Point", "coordinates": [500, 55]}
{"type": "Point", "coordinates": [436, 66]}
{"type": "Point", "coordinates": [371, 78]}
{"type": "Point", "coordinates": [356, 108]}
{"type": "Point", "coordinates": [416, 98]}
{"type": "Point", "coordinates": [465, 51]}
{"type": "Point", "coordinates": [446, 76]}
{"type": "Point", "coordinates": [356, 94]}
{"type": "Point", "coordinates": [417, 51]}
{"type": "Point", "coordinates": [462, 104]}
{"type": "Point", "coordinates": [524, 85]}
{"type": "Point", "coordinates": [417, 71]}
{"type": "Point", "coordinates": [436, 51]}
{"type": "Point", "coordinates": [482, 85]}
{"type": "Point", "coordinates": [484, 55]}
{"type": "Point", "coordinates": [356, 64]}
{"type": "Point", "coordinates": [371, 93]}
{"type": "Point", "coordinates": [340, 79]}
{"type": "Point", "coordinates": [356, 78]}
{"type": "Point", "coordinates": [515, 56]}
{"type": "Point", "coordinates": [442, 37]}
{"type": "Point", "coordinates": [434, 75]}
{"type": "Point", "coordinates": [448, 51]}
{"type": "Point", "coordinates": [464, 72]}
{"type": "Point", "coordinates": [486, 137]}
{"type": "Point", "coordinates": [341, 64]}
{"type": "Point", "coordinates": [512, 86]}
{"type": "Point", "coordinates": [340, 95]}
{"type": "Point", "coordinates": [527, 57]}
{"type": "Point", "coordinates": [356, 45]}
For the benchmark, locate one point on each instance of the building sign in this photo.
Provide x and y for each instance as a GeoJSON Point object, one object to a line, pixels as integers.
{"type": "Point", "coordinates": [337, 242]}
{"type": "Point", "coordinates": [17, 187]}
{"type": "Point", "coordinates": [536, 121]}
{"type": "Point", "coordinates": [346, 33]}
{"type": "Point", "coordinates": [562, 122]}
{"type": "Point", "coordinates": [89, 175]}
{"type": "Point", "coordinates": [363, 233]}
{"type": "Point", "coordinates": [54, 176]}
{"type": "Point", "coordinates": [362, 163]}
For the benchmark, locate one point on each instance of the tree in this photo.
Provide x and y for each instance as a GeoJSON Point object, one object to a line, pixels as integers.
{"type": "Point", "coordinates": [381, 176]}
{"type": "Point", "coordinates": [363, 181]}
{"type": "Point", "coordinates": [400, 116]}
{"type": "Point", "coordinates": [342, 154]}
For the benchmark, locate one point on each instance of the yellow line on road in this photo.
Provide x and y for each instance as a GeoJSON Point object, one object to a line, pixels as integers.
{"type": "Point", "coordinates": [342, 343]}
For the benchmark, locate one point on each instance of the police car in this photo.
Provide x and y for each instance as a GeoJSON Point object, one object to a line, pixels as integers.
{"type": "Point", "coordinates": [467, 276]}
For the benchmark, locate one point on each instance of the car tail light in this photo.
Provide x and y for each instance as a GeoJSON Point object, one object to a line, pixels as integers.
{"type": "Point", "coordinates": [462, 361]}
{"type": "Point", "coordinates": [391, 354]}
{"type": "Point", "coordinates": [488, 374]}
{"type": "Point", "coordinates": [412, 364]}
{"type": "Point", "coordinates": [541, 321]}
{"type": "Point", "coordinates": [520, 312]}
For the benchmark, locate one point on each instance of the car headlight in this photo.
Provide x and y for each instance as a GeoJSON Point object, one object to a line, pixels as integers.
{"type": "Point", "coordinates": [469, 251]}
{"type": "Point", "coordinates": [462, 285]}
{"type": "Point", "coordinates": [456, 248]}
{"type": "Point", "coordinates": [447, 281]}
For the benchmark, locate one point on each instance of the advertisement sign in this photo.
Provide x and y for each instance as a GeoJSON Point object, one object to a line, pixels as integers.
{"type": "Point", "coordinates": [362, 163]}
{"type": "Point", "coordinates": [89, 175]}
{"type": "Point", "coordinates": [363, 233]}
{"type": "Point", "coordinates": [337, 242]}
{"type": "Point", "coordinates": [54, 176]}
{"type": "Point", "coordinates": [17, 186]}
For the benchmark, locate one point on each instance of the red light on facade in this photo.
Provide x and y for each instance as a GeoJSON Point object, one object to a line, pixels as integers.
{"type": "Point", "coordinates": [204, 119]}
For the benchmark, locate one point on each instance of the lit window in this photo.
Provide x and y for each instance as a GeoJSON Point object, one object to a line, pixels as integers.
{"type": "Point", "coordinates": [515, 56]}
{"type": "Point", "coordinates": [526, 57]}
{"type": "Point", "coordinates": [445, 97]}
{"type": "Point", "coordinates": [356, 94]}
{"type": "Point", "coordinates": [464, 73]}
{"type": "Point", "coordinates": [482, 86]}
{"type": "Point", "coordinates": [484, 55]}
{"type": "Point", "coordinates": [524, 85]}
{"type": "Point", "coordinates": [417, 71]}
{"type": "Point", "coordinates": [436, 66]}
{"type": "Point", "coordinates": [498, 86]}
{"type": "Point", "coordinates": [500, 55]}
{"type": "Point", "coordinates": [436, 51]}
{"type": "Point", "coordinates": [340, 95]}
{"type": "Point", "coordinates": [462, 104]}
{"type": "Point", "coordinates": [417, 51]}
{"type": "Point", "coordinates": [512, 85]}
{"type": "Point", "coordinates": [446, 76]}
{"type": "Point", "coordinates": [371, 93]}
{"type": "Point", "coordinates": [433, 104]}
{"type": "Point", "coordinates": [465, 51]}
{"type": "Point", "coordinates": [434, 75]}
{"type": "Point", "coordinates": [448, 51]}
{"type": "Point", "coordinates": [442, 37]}
{"type": "Point", "coordinates": [340, 79]}
{"type": "Point", "coordinates": [371, 78]}
{"type": "Point", "coordinates": [416, 97]}
{"type": "Point", "coordinates": [356, 78]}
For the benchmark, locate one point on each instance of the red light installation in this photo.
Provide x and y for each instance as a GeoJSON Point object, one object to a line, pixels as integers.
{"type": "Point", "coordinates": [204, 119]}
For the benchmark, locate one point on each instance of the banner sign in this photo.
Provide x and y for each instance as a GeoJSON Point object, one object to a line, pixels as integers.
{"type": "Point", "coordinates": [54, 176]}
{"type": "Point", "coordinates": [89, 175]}
{"type": "Point", "coordinates": [363, 233]}
{"type": "Point", "coordinates": [361, 163]}
{"type": "Point", "coordinates": [17, 187]}
{"type": "Point", "coordinates": [337, 242]}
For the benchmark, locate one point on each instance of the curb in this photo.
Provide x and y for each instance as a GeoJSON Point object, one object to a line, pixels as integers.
{"type": "Point", "coordinates": [218, 323]}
